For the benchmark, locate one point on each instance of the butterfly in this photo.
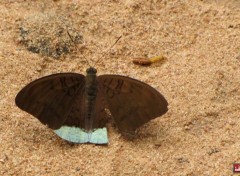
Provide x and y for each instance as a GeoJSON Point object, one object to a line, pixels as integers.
{"type": "Point", "coordinates": [74, 105]}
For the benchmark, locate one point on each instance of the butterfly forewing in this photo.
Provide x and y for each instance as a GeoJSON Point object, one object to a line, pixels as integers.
{"type": "Point", "coordinates": [131, 102]}
{"type": "Point", "coordinates": [51, 98]}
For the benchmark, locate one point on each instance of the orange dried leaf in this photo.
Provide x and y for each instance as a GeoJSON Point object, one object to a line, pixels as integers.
{"type": "Point", "coordinates": [142, 61]}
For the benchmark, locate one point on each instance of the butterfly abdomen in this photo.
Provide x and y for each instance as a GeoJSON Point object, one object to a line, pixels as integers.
{"type": "Point", "coordinates": [90, 98]}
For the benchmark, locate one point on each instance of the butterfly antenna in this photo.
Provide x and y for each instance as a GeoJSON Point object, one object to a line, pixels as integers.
{"type": "Point", "coordinates": [104, 53]}
{"type": "Point", "coordinates": [78, 49]}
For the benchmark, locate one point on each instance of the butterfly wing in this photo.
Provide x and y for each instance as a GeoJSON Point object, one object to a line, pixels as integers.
{"type": "Point", "coordinates": [100, 115]}
{"type": "Point", "coordinates": [76, 116]}
{"type": "Point", "coordinates": [50, 98]}
{"type": "Point", "coordinates": [131, 102]}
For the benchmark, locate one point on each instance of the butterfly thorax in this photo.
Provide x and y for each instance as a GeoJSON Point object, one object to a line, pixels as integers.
{"type": "Point", "coordinates": [90, 96]}
{"type": "Point", "coordinates": [91, 83]}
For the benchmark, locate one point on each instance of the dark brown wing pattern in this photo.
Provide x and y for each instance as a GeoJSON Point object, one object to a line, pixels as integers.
{"type": "Point", "coordinates": [51, 98]}
{"type": "Point", "coordinates": [131, 102]}
{"type": "Point", "coordinates": [76, 116]}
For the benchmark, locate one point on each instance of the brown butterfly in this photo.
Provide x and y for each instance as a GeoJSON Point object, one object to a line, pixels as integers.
{"type": "Point", "coordinates": [73, 100]}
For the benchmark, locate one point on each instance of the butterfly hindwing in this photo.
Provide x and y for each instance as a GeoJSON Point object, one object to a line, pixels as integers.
{"type": "Point", "coordinates": [76, 116]}
{"type": "Point", "coordinates": [131, 102]}
{"type": "Point", "coordinates": [50, 98]}
{"type": "Point", "coordinates": [100, 115]}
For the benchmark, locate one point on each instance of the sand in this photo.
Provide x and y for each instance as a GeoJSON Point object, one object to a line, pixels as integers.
{"type": "Point", "coordinates": [200, 79]}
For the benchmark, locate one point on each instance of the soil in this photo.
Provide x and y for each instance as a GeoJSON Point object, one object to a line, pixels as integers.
{"type": "Point", "coordinates": [200, 78]}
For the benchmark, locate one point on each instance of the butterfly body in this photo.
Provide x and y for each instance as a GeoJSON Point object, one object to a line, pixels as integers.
{"type": "Point", "coordinates": [90, 97]}
{"type": "Point", "coordinates": [74, 105]}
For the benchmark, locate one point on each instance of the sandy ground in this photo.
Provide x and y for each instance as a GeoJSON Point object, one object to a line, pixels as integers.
{"type": "Point", "coordinates": [200, 79]}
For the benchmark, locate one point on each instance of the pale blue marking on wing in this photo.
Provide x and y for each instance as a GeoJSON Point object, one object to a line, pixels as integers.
{"type": "Point", "coordinates": [99, 136]}
{"type": "Point", "coordinates": [78, 135]}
